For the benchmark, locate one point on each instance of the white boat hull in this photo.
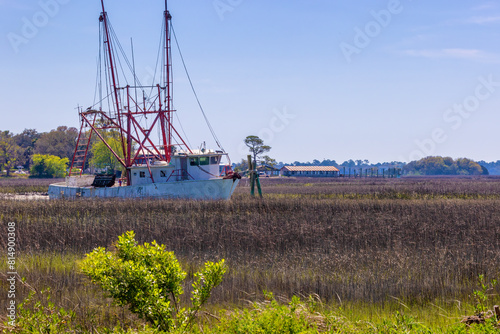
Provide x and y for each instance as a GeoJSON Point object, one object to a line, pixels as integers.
{"type": "Point", "coordinates": [212, 189]}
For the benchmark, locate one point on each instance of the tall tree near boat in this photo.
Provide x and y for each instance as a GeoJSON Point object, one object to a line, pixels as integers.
{"type": "Point", "coordinates": [10, 152]}
{"type": "Point", "coordinates": [256, 147]}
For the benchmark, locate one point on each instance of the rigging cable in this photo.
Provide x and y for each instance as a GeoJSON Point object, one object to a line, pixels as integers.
{"type": "Point", "coordinates": [115, 38]}
{"type": "Point", "coordinates": [131, 69]}
{"type": "Point", "coordinates": [135, 77]}
{"type": "Point", "coordinates": [156, 66]}
{"type": "Point", "coordinates": [107, 75]}
{"type": "Point", "coordinates": [196, 95]}
{"type": "Point", "coordinates": [107, 97]}
{"type": "Point", "coordinates": [182, 128]}
{"type": "Point", "coordinates": [98, 79]}
{"type": "Point", "coordinates": [117, 59]}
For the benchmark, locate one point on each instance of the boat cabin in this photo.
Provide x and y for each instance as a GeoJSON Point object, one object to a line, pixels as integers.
{"type": "Point", "coordinates": [182, 167]}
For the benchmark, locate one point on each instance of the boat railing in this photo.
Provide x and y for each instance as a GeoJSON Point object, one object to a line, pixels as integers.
{"type": "Point", "coordinates": [182, 173]}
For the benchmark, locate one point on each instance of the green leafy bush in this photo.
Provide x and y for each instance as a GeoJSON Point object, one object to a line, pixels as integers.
{"type": "Point", "coordinates": [42, 316]}
{"type": "Point", "coordinates": [270, 317]}
{"type": "Point", "coordinates": [481, 295]}
{"type": "Point", "coordinates": [148, 280]}
{"type": "Point", "coordinates": [45, 165]}
{"type": "Point", "coordinates": [102, 156]}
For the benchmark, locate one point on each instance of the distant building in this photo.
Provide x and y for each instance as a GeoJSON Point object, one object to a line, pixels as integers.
{"type": "Point", "coordinates": [268, 170]}
{"type": "Point", "coordinates": [309, 171]}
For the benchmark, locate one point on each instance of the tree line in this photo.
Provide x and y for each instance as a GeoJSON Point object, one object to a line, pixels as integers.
{"type": "Point", "coordinates": [48, 154]}
{"type": "Point", "coordinates": [445, 166]}
{"type": "Point", "coordinates": [432, 165]}
{"type": "Point", "coordinates": [44, 153]}
{"type": "Point", "coordinates": [427, 166]}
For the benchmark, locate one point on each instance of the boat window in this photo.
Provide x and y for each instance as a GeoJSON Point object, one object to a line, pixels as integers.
{"type": "Point", "coordinates": [215, 160]}
{"type": "Point", "coordinates": [142, 174]}
{"type": "Point", "coordinates": [193, 161]}
{"type": "Point", "coordinates": [204, 161]}
{"type": "Point", "coordinates": [163, 173]}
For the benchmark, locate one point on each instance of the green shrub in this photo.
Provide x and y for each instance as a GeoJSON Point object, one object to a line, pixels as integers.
{"type": "Point", "coordinates": [41, 316]}
{"type": "Point", "coordinates": [481, 295]}
{"type": "Point", "coordinates": [269, 317]}
{"type": "Point", "coordinates": [148, 280]}
{"type": "Point", "coordinates": [45, 165]}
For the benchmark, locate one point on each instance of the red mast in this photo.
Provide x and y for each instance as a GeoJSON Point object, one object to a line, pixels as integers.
{"type": "Point", "coordinates": [112, 69]}
{"type": "Point", "coordinates": [167, 140]}
{"type": "Point", "coordinates": [136, 122]}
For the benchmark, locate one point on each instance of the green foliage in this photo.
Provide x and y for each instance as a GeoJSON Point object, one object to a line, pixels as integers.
{"type": "Point", "coordinates": [330, 254]}
{"type": "Point", "coordinates": [102, 156]}
{"type": "Point", "coordinates": [268, 161]}
{"type": "Point", "coordinates": [488, 327]}
{"type": "Point", "coordinates": [26, 141]}
{"type": "Point", "coordinates": [119, 330]}
{"type": "Point", "coordinates": [443, 166]}
{"type": "Point", "coordinates": [481, 295]}
{"type": "Point", "coordinates": [48, 166]}
{"type": "Point", "coordinates": [256, 147]}
{"type": "Point", "coordinates": [35, 316]}
{"type": "Point", "coordinates": [10, 152]}
{"type": "Point", "coordinates": [242, 166]}
{"type": "Point", "coordinates": [204, 281]}
{"type": "Point", "coordinates": [401, 323]}
{"type": "Point", "coordinates": [269, 317]}
{"type": "Point", "coordinates": [468, 167]}
{"type": "Point", "coordinates": [492, 167]}
{"type": "Point", "coordinates": [59, 142]}
{"type": "Point", "coordinates": [148, 279]}
{"type": "Point", "coordinates": [484, 170]}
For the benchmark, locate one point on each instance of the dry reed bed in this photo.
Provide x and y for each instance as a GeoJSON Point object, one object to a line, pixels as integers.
{"type": "Point", "coordinates": [363, 250]}
{"type": "Point", "coordinates": [417, 239]}
{"type": "Point", "coordinates": [378, 188]}
{"type": "Point", "coordinates": [25, 185]}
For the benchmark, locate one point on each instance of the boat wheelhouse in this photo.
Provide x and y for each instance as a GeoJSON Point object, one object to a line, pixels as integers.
{"type": "Point", "coordinates": [135, 123]}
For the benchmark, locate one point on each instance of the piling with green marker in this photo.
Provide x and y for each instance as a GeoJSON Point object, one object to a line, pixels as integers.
{"type": "Point", "coordinates": [254, 177]}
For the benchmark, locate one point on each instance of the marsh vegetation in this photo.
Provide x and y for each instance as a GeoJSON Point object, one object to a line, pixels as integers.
{"type": "Point", "coordinates": [366, 247]}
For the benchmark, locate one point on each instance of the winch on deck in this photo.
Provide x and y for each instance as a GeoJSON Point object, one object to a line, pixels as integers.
{"type": "Point", "coordinates": [104, 181]}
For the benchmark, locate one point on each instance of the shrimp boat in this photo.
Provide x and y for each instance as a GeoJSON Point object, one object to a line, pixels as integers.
{"type": "Point", "coordinates": [134, 122]}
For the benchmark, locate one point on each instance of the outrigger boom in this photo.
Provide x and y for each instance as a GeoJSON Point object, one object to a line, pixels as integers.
{"type": "Point", "coordinates": [141, 135]}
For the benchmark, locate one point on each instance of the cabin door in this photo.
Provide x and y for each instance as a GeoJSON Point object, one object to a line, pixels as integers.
{"type": "Point", "coordinates": [184, 167]}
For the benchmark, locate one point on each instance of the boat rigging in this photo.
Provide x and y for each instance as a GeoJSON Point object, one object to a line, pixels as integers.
{"type": "Point", "coordinates": [150, 148]}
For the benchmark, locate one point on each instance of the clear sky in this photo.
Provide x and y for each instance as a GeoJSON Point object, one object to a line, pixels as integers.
{"type": "Point", "coordinates": [365, 79]}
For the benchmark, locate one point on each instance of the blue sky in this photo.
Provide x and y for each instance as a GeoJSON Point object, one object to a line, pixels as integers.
{"type": "Point", "coordinates": [377, 80]}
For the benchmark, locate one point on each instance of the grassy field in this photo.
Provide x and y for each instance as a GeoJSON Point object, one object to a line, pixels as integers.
{"type": "Point", "coordinates": [367, 248]}
{"type": "Point", "coordinates": [24, 185]}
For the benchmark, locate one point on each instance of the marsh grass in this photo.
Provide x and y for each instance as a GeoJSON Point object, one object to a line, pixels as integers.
{"type": "Point", "coordinates": [21, 185]}
{"type": "Point", "coordinates": [366, 247]}
{"type": "Point", "coordinates": [377, 188]}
